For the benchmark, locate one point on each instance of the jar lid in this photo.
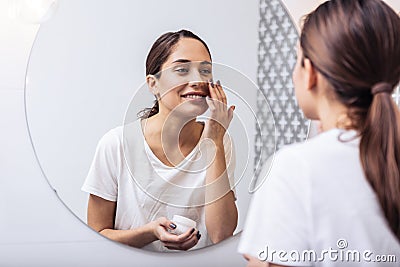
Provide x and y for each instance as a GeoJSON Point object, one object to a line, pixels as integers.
{"type": "Point", "coordinates": [183, 220]}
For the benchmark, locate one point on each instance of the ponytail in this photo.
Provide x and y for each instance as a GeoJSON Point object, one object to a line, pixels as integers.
{"type": "Point", "coordinates": [148, 112]}
{"type": "Point", "coordinates": [380, 152]}
{"type": "Point", "coordinates": [328, 40]}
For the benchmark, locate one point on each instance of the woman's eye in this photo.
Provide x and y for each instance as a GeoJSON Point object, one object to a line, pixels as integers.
{"type": "Point", "coordinates": [205, 71]}
{"type": "Point", "coordinates": [182, 70]}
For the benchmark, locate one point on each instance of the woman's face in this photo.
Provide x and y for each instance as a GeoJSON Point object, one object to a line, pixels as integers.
{"type": "Point", "coordinates": [183, 84]}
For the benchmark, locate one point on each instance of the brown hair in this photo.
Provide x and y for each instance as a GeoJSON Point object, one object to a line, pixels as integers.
{"type": "Point", "coordinates": [158, 54]}
{"type": "Point", "coordinates": [355, 46]}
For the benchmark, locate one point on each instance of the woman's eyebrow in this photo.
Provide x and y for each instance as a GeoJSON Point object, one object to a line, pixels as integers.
{"type": "Point", "coordinates": [206, 63]}
{"type": "Point", "coordinates": [181, 60]}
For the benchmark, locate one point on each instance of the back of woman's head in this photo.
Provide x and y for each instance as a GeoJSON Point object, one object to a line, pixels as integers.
{"type": "Point", "coordinates": [355, 45]}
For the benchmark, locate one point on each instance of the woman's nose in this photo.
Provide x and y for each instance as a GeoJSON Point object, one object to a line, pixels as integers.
{"type": "Point", "coordinates": [196, 79]}
{"type": "Point", "coordinates": [194, 83]}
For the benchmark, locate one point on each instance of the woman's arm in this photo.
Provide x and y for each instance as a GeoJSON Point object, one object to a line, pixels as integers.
{"type": "Point", "coordinates": [101, 214]}
{"type": "Point", "coordinates": [220, 215]}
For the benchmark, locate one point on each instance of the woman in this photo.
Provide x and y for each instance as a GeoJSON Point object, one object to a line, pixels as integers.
{"type": "Point", "coordinates": [335, 199]}
{"type": "Point", "coordinates": [132, 201]}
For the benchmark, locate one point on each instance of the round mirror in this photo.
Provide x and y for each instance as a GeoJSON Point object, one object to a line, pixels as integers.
{"type": "Point", "coordinates": [86, 76]}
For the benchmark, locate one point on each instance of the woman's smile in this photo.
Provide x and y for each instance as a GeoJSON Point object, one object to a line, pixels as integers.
{"type": "Point", "coordinates": [195, 96]}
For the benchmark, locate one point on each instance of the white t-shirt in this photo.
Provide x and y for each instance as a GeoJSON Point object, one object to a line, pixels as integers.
{"type": "Point", "coordinates": [316, 197]}
{"type": "Point", "coordinates": [118, 176]}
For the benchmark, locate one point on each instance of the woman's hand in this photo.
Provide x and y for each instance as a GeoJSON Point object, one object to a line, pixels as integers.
{"type": "Point", "coordinates": [184, 241]}
{"type": "Point", "coordinates": [101, 219]}
{"type": "Point", "coordinates": [221, 116]}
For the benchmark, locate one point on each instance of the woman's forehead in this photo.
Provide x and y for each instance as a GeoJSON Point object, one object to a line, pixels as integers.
{"type": "Point", "coordinates": [188, 49]}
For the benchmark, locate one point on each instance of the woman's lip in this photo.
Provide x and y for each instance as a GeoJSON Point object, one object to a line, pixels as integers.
{"type": "Point", "coordinates": [196, 98]}
{"type": "Point", "coordinates": [195, 93]}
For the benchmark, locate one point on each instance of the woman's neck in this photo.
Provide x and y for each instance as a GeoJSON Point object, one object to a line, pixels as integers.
{"type": "Point", "coordinates": [333, 114]}
{"type": "Point", "coordinates": [172, 130]}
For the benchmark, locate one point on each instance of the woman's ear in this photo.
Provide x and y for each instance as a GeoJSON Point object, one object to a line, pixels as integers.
{"type": "Point", "coordinates": [310, 74]}
{"type": "Point", "coordinates": [152, 82]}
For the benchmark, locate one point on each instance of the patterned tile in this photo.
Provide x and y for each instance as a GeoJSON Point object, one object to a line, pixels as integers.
{"type": "Point", "coordinates": [276, 59]}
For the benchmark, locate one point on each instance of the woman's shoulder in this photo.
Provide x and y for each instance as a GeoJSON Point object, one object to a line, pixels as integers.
{"type": "Point", "coordinates": [112, 136]}
{"type": "Point", "coordinates": [290, 165]}
{"type": "Point", "coordinates": [322, 148]}
{"type": "Point", "coordinates": [116, 135]}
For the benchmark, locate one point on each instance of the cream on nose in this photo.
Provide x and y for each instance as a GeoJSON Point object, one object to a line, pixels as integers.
{"type": "Point", "coordinates": [195, 79]}
{"type": "Point", "coordinates": [194, 83]}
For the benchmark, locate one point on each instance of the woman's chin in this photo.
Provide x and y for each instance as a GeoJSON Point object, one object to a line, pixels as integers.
{"type": "Point", "coordinates": [193, 107]}
{"type": "Point", "coordinates": [192, 112]}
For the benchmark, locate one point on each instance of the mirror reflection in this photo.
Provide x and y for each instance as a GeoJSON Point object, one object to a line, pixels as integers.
{"type": "Point", "coordinates": [174, 164]}
{"type": "Point", "coordinates": [180, 151]}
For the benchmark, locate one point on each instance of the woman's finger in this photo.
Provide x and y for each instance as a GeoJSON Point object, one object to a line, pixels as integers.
{"type": "Point", "coordinates": [190, 243]}
{"type": "Point", "coordinates": [230, 113]}
{"type": "Point", "coordinates": [219, 99]}
{"type": "Point", "coordinates": [214, 95]}
{"type": "Point", "coordinates": [167, 223]}
{"type": "Point", "coordinates": [185, 245]}
{"type": "Point", "coordinates": [187, 235]}
{"type": "Point", "coordinates": [166, 236]}
{"type": "Point", "coordinates": [179, 239]}
{"type": "Point", "coordinates": [210, 100]}
{"type": "Point", "coordinates": [221, 93]}
{"type": "Point", "coordinates": [211, 88]}
{"type": "Point", "coordinates": [163, 235]}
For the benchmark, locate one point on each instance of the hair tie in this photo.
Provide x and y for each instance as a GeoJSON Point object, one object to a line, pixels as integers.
{"type": "Point", "coordinates": [382, 87]}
